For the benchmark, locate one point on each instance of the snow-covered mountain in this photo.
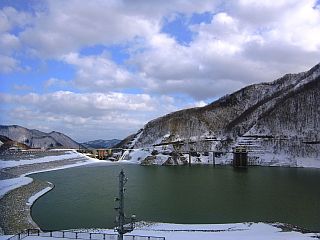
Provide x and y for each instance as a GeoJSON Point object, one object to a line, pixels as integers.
{"type": "Point", "coordinates": [278, 121]}
{"type": "Point", "coordinates": [101, 143]}
{"type": "Point", "coordinates": [37, 139]}
{"type": "Point", "coordinates": [6, 143]}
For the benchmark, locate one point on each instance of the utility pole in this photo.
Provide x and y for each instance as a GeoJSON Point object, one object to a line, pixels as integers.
{"type": "Point", "coordinates": [213, 159]}
{"type": "Point", "coordinates": [121, 218]}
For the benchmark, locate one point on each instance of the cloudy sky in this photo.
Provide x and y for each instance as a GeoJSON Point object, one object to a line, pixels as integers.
{"type": "Point", "coordinates": [103, 68]}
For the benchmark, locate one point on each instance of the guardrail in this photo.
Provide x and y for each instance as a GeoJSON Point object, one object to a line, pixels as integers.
{"type": "Point", "coordinates": [79, 235]}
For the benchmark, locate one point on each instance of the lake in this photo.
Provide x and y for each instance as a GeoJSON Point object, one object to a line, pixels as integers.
{"type": "Point", "coordinates": [83, 197]}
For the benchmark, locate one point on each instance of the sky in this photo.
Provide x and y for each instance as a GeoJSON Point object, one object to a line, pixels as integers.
{"type": "Point", "coordinates": [101, 69]}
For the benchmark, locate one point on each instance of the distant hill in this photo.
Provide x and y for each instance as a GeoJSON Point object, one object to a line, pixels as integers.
{"type": "Point", "coordinates": [6, 143]}
{"type": "Point", "coordinates": [36, 139]}
{"type": "Point", "coordinates": [101, 143]}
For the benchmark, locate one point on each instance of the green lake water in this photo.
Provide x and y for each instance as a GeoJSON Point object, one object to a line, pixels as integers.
{"type": "Point", "coordinates": [83, 197]}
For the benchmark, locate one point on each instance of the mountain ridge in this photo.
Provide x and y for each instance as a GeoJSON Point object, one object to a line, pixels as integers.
{"type": "Point", "coordinates": [101, 143]}
{"type": "Point", "coordinates": [247, 112]}
{"type": "Point", "coordinates": [37, 139]}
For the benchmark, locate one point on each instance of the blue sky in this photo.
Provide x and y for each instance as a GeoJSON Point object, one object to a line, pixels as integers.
{"type": "Point", "coordinates": [103, 69]}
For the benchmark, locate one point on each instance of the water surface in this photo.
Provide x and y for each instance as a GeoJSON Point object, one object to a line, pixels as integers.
{"type": "Point", "coordinates": [83, 197]}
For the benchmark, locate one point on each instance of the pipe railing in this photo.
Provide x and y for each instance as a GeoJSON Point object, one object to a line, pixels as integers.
{"type": "Point", "coordinates": [79, 235]}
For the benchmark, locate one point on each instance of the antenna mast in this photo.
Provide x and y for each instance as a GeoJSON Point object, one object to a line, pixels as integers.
{"type": "Point", "coordinates": [121, 218]}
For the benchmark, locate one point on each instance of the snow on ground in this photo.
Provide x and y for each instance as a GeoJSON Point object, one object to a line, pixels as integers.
{"type": "Point", "coordinates": [308, 162]}
{"type": "Point", "coordinates": [138, 155]}
{"type": "Point", "coordinates": [263, 159]}
{"type": "Point", "coordinates": [161, 158]}
{"type": "Point", "coordinates": [5, 237]}
{"type": "Point", "coordinates": [239, 231]}
{"type": "Point", "coordinates": [7, 185]}
{"type": "Point", "coordinates": [33, 198]}
{"type": "Point", "coordinates": [12, 183]}
{"type": "Point", "coordinates": [270, 159]}
{"type": "Point", "coordinates": [14, 163]}
{"type": "Point", "coordinates": [234, 231]}
{"type": "Point", "coordinates": [88, 161]}
{"type": "Point", "coordinates": [136, 138]}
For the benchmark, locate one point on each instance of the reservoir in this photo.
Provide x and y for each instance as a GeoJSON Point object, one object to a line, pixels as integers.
{"type": "Point", "coordinates": [83, 197]}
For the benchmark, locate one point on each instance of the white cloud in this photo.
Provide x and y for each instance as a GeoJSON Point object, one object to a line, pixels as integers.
{"type": "Point", "coordinates": [100, 73]}
{"type": "Point", "coordinates": [197, 104]}
{"type": "Point", "coordinates": [55, 82]}
{"type": "Point", "coordinates": [84, 103]}
{"type": "Point", "coordinates": [8, 64]}
{"type": "Point", "coordinates": [69, 25]}
{"type": "Point", "coordinates": [247, 41]}
{"type": "Point", "coordinates": [121, 112]}
{"type": "Point", "coordinates": [234, 49]}
{"type": "Point", "coordinates": [22, 87]}
{"type": "Point", "coordinates": [8, 43]}
{"type": "Point", "coordinates": [294, 22]}
{"type": "Point", "coordinates": [156, 9]}
{"type": "Point", "coordinates": [10, 18]}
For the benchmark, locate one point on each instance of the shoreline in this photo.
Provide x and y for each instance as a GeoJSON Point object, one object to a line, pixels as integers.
{"type": "Point", "coordinates": [16, 215]}
{"type": "Point", "coordinates": [34, 198]}
{"type": "Point", "coordinates": [16, 203]}
{"type": "Point", "coordinates": [28, 194]}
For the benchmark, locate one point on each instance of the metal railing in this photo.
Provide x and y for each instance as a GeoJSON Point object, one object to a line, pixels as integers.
{"type": "Point", "coordinates": [79, 235]}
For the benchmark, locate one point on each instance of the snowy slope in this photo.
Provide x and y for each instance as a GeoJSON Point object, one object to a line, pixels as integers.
{"type": "Point", "coordinates": [281, 119]}
{"type": "Point", "coordinates": [37, 139]}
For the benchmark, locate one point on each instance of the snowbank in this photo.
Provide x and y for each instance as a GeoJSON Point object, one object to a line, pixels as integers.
{"type": "Point", "coordinates": [238, 231]}
{"type": "Point", "coordinates": [12, 183]}
{"type": "Point", "coordinates": [138, 155]}
{"type": "Point", "coordinates": [88, 161]}
{"type": "Point", "coordinates": [308, 162]}
{"type": "Point", "coordinates": [5, 237]}
{"type": "Point", "coordinates": [14, 163]}
{"type": "Point", "coordinates": [33, 198]}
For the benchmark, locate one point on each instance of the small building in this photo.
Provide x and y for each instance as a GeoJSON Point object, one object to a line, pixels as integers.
{"type": "Point", "coordinates": [240, 156]}
{"type": "Point", "coordinates": [101, 154]}
{"type": "Point", "coordinates": [104, 153]}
